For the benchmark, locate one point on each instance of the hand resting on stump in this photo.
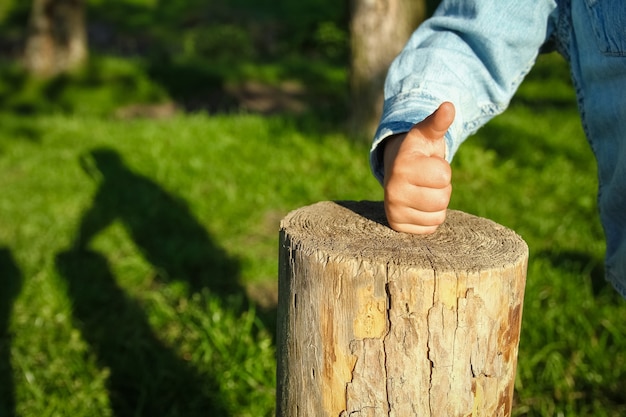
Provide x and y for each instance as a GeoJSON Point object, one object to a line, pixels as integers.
{"type": "Point", "coordinates": [417, 180]}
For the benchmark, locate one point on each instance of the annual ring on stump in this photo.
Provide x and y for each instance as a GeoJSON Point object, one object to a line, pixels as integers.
{"type": "Point", "coordinates": [349, 228]}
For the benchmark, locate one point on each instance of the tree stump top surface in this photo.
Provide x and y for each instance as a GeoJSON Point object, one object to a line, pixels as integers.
{"type": "Point", "coordinates": [360, 230]}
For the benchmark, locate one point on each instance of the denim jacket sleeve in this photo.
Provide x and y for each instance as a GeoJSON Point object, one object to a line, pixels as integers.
{"type": "Point", "coordinates": [473, 53]}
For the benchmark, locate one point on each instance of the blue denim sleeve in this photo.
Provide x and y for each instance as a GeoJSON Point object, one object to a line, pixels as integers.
{"type": "Point", "coordinates": [473, 53]}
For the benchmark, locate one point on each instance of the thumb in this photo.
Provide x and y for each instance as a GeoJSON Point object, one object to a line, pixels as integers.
{"type": "Point", "coordinates": [431, 130]}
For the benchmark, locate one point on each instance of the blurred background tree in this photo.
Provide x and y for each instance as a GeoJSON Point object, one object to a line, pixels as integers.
{"type": "Point", "coordinates": [57, 37]}
{"type": "Point", "coordinates": [320, 57]}
{"type": "Point", "coordinates": [378, 31]}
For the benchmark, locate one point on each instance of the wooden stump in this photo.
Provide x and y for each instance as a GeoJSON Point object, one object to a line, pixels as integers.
{"type": "Point", "coordinates": [372, 322]}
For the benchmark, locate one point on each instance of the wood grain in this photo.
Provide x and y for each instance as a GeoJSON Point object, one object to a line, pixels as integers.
{"type": "Point", "coordinates": [373, 322]}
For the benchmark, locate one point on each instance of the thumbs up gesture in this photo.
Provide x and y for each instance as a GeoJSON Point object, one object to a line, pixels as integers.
{"type": "Point", "coordinates": [417, 179]}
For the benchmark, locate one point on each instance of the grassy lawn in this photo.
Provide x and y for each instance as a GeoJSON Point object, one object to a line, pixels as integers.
{"type": "Point", "coordinates": [138, 246]}
{"type": "Point", "coordinates": [139, 257]}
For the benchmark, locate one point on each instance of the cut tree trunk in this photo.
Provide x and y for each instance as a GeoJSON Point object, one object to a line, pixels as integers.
{"type": "Point", "coordinates": [373, 322]}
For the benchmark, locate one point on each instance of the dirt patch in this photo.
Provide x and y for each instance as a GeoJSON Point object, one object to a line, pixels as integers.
{"type": "Point", "coordinates": [250, 96]}
{"type": "Point", "coordinates": [286, 97]}
{"type": "Point", "coordinates": [147, 111]}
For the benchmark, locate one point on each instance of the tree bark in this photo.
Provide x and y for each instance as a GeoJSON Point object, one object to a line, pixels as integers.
{"type": "Point", "coordinates": [378, 31]}
{"type": "Point", "coordinates": [57, 40]}
{"type": "Point", "coordinates": [372, 322]}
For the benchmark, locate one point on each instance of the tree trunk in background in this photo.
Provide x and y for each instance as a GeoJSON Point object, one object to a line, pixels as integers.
{"type": "Point", "coordinates": [57, 40]}
{"type": "Point", "coordinates": [378, 31]}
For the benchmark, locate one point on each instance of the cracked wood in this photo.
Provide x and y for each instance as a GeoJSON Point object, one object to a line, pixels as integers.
{"type": "Point", "coordinates": [372, 322]}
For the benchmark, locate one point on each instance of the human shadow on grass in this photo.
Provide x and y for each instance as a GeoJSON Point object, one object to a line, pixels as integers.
{"type": "Point", "coordinates": [161, 225]}
{"type": "Point", "coordinates": [9, 289]}
{"type": "Point", "coordinates": [147, 378]}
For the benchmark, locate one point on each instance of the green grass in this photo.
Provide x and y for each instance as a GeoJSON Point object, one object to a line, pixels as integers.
{"type": "Point", "coordinates": [136, 255]}
{"type": "Point", "coordinates": [134, 243]}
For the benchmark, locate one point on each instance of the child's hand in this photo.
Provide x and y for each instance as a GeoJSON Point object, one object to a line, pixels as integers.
{"type": "Point", "coordinates": [417, 177]}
